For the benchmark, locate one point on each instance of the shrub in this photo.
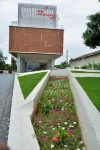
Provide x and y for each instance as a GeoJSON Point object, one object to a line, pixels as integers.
{"type": "Point", "coordinates": [84, 67]}
{"type": "Point", "coordinates": [76, 67]}
{"type": "Point", "coordinates": [89, 66]}
{"type": "Point", "coordinates": [60, 66]}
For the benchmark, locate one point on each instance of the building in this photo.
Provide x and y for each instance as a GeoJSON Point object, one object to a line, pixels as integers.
{"type": "Point", "coordinates": [85, 59]}
{"type": "Point", "coordinates": [36, 37]}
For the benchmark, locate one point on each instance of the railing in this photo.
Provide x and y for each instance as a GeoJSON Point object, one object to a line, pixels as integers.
{"type": "Point", "coordinates": [36, 26]}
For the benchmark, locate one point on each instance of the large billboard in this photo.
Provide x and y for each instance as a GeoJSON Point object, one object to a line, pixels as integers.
{"type": "Point", "coordinates": [36, 15]}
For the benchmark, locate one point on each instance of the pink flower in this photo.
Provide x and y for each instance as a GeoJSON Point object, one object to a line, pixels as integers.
{"type": "Point", "coordinates": [54, 122]}
{"type": "Point", "coordinates": [69, 131]}
{"type": "Point", "coordinates": [54, 139]}
{"type": "Point", "coordinates": [42, 119]}
{"type": "Point", "coordinates": [64, 110]}
{"type": "Point", "coordinates": [43, 138]}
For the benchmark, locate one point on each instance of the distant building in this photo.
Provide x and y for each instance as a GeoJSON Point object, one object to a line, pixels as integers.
{"type": "Point", "coordinates": [85, 59]}
{"type": "Point", "coordinates": [35, 37]}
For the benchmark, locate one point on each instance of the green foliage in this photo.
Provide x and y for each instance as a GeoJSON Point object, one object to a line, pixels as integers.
{"type": "Point", "coordinates": [89, 65]}
{"type": "Point", "coordinates": [2, 60]}
{"type": "Point", "coordinates": [76, 67]}
{"type": "Point", "coordinates": [53, 128]}
{"type": "Point", "coordinates": [60, 66]}
{"type": "Point", "coordinates": [92, 34]}
{"type": "Point", "coordinates": [14, 66]}
{"type": "Point", "coordinates": [96, 66]}
{"type": "Point", "coordinates": [46, 109]}
{"type": "Point", "coordinates": [29, 82]}
{"type": "Point", "coordinates": [91, 85]}
{"type": "Point", "coordinates": [6, 67]}
{"type": "Point", "coordinates": [63, 135]}
{"type": "Point", "coordinates": [63, 65]}
{"type": "Point", "coordinates": [74, 71]}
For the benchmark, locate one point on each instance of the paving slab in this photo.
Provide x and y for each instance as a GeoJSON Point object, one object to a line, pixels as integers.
{"type": "Point", "coordinates": [6, 92]}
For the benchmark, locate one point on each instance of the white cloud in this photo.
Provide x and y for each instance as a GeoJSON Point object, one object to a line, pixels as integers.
{"type": "Point", "coordinates": [72, 15]}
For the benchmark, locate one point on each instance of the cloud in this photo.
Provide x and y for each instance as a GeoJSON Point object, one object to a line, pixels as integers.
{"type": "Point", "coordinates": [72, 14]}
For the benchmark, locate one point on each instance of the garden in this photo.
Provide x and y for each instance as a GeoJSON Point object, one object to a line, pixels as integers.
{"type": "Point", "coordinates": [56, 122]}
{"type": "Point", "coordinates": [91, 66]}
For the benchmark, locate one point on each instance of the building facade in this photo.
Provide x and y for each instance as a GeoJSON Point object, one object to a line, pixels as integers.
{"type": "Point", "coordinates": [35, 37]}
{"type": "Point", "coordinates": [86, 59]}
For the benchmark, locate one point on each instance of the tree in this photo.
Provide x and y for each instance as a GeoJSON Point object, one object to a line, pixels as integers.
{"type": "Point", "coordinates": [13, 64]}
{"type": "Point", "coordinates": [92, 34]}
{"type": "Point", "coordinates": [2, 60]}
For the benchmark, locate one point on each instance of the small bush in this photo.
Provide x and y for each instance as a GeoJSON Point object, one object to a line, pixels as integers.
{"type": "Point", "coordinates": [60, 66]}
{"type": "Point", "coordinates": [89, 66]}
{"type": "Point", "coordinates": [76, 67]}
{"type": "Point", "coordinates": [84, 67]}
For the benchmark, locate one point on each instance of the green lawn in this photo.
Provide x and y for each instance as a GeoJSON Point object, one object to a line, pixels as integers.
{"type": "Point", "coordinates": [74, 71]}
{"type": "Point", "coordinates": [29, 82]}
{"type": "Point", "coordinates": [91, 85]}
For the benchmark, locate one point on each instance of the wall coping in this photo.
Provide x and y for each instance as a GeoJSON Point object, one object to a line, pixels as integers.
{"type": "Point", "coordinates": [21, 132]}
{"type": "Point", "coordinates": [88, 114]}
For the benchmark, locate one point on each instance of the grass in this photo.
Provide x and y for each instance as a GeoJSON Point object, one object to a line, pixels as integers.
{"type": "Point", "coordinates": [91, 85]}
{"type": "Point", "coordinates": [55, 122]}
{"type": "Point", "coordinates": [29, 82]}
{"type": "Point", "coordinates": [82, 71]}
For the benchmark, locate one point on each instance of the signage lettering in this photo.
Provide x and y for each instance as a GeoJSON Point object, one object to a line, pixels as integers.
{"type": "Point", "coordinates": [42, 13]}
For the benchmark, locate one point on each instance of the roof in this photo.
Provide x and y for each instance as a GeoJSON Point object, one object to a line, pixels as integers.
{"type": "Point", "coordinates": [87, 55]}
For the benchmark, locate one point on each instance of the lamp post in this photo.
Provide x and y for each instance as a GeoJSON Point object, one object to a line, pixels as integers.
{"type": "Point", "coordinates": [67, 56]}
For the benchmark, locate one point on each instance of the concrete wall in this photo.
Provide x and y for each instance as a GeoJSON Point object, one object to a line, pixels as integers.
{"type": "Point", "coordinates": [38, 40]}
{"type": "Point", "coordinates": [59, 72]}
{"type": "Point", "coordinates": [21, 132]}
{"type": "Point", "coordinates": [80, 62]}
{"type": "Point", "coordinates": [89, 116]}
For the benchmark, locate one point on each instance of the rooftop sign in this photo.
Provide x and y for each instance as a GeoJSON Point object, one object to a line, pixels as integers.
{"type": "Point", "coordinates": [37, 15]}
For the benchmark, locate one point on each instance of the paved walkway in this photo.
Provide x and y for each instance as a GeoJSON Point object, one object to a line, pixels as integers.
{"type": "Point", "coordinates": [6, 91]}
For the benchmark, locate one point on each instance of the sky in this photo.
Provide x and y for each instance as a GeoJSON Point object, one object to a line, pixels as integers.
{"type": "Point", "coordinates": [72, 16]}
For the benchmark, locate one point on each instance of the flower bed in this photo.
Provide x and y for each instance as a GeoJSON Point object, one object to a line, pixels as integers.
{"type": "Point", "coordinates": [55, 122]}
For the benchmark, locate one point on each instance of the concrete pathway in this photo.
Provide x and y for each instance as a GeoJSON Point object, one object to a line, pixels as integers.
{"type": "Point", "coordinates": [6, 91]}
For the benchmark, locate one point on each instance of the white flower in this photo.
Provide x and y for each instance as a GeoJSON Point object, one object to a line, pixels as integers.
{"type": "Point", "coordinates": [65, 146]}
{"type": "Point", "coordinates": [53, 129]}
{"type": "Point", "coordinates": [59, 126]}
{"type": "Point", "coordinates": [39, 121]}
{"type": "Point", "coordinates": [45, 132]}
{"type": "Point", "coordinates": [83, 148]}
{"type": "Point", "coordinates": [52, 146]}
{"type": "Point", "coordinates": [63, 128]}
{"type": "Point", "coordinates": [58, 123]}
{"type": "Point", "coordinates": [81, 142]}
{"type": "Point", "coordinates": [70, 126]}
{"type": "Point", "coordinates": [60, 100]}
{"type": "Point", "coordinates": [74, 122]}
{"type": "Point", "coordinates": [62, 109]}
{"type": "Point", "coordinates": [78, 148]}
{"type": "Point", "coordinates": [65, 123]}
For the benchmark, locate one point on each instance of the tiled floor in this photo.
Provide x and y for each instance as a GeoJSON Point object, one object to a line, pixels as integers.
{"type": "Point", "coordinates": [6, 91]}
